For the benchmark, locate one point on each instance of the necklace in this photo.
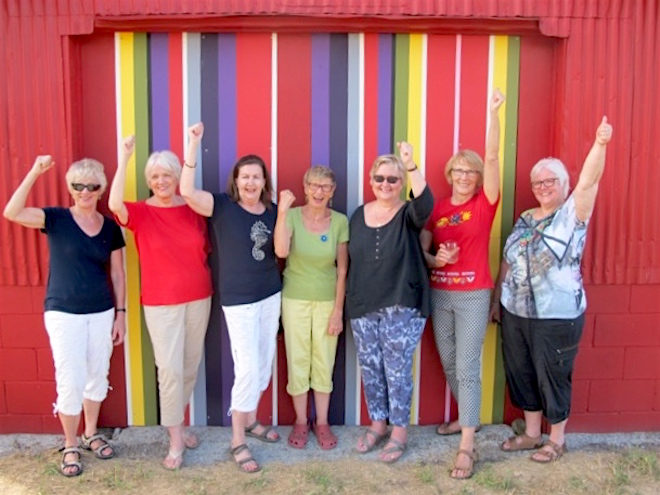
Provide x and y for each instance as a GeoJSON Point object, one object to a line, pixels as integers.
{"type": "Point", "coordinates": [385, 217]}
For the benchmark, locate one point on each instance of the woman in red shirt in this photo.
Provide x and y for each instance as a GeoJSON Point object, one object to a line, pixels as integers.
{"type": "Point", "coordinates": [455, 242]}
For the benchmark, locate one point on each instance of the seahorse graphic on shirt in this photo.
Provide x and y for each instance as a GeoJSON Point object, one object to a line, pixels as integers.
{"type": "Point", "coordinates": [259, 235]}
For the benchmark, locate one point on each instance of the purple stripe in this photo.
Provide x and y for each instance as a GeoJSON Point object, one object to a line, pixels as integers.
{"type": "Point", "coordinates": [320, 153]}
{"type": "Point", "coordinates": [226, 105]}
{"type": "Point", "coordinates": [159, 89]}
{"type": "Point", "coordinates": [385, 43]}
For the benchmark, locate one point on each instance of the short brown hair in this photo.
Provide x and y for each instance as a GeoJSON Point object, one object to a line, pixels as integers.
{"type": "Point", "coordinates": [471, 158]}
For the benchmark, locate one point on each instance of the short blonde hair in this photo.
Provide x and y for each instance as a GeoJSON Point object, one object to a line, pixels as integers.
{"type": "Point", "coordinates": [166, 160]}
{"type": "Point", "coordinates": [87, 168]}
{"type": "Point", "coordinates": [319, 172]}
{"type": "Point", "coordinates": [390, 160]}
{"type": "Point", "coordinates": [471, 159]}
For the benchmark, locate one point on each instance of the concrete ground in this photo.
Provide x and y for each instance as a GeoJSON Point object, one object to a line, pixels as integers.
{"type": "Point", "coordinates": [423, 444]}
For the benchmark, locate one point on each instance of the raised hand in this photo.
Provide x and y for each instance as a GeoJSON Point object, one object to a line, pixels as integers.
{"type": "Point", "coordinates": [604, 132]}
{"type": "Point", "coordinates": [196, 132]}
{"type": "Point", "coordinates": [286, 200]}
{"type": "Point", "coordinates": [496, 100]}
{"type": "Point", "coordinates": [42, 163]}
{"type": "Point", "coordinates": [128, 146]}
{"type": "Point", "coordinates": [405, 152]}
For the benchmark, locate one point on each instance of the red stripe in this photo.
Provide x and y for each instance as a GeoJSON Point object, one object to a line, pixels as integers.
{"type": "Point", "coordinates": [253, 94]}
{"type": "Point", "coordinates": [294, 88]}
{"type": "Point", "coordinates": [474, 93]}
{"type": "Point", "coordinates": [176, 93]}
{"type": "Point", "coordinates": [370, 109]}
{"type": "Point", "coordinates": [439, 146]}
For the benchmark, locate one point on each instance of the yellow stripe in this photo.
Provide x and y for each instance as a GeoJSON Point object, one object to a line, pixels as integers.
{"type": "Point", "coordinates": [499, 72]}
{"type": "Point", "coordinates": [136, 377]}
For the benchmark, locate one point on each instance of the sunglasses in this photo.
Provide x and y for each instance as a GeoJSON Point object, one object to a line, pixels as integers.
{"type": "Point", "coordinates": [77, 186]}
{"type": "Point", "coordinates": [391, 179]}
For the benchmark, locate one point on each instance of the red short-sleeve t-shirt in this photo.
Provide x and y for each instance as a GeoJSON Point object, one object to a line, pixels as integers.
{"type": "Point", "coordinates": [469, 226]}
{"type": "Point", "coordinates": [173, 248]}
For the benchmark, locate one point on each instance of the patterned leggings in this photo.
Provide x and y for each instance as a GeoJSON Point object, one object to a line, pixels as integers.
{"type": "Point", "coordinates": [386, 340]}
{"type": "Point", "coordinates": [459, 326]}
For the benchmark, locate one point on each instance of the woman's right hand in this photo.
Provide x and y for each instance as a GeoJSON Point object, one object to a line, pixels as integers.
{"type": "Point", "coordinates": [196, 132]}
{"type": "Point", "coordinates": [445, 256]}
{"type": "Point", "coordinates": [286, 200]}
{"type": "Point", "coordinates": [495, 313]}
{"type": "Point", "coordinates": [42, 163]}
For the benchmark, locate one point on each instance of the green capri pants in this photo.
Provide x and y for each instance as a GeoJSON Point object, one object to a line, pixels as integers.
{"type": "Point", "coordinates": [310, 350]}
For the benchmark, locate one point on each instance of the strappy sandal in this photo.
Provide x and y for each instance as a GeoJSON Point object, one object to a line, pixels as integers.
{"type": "Point", "coordinates": [263, 436]}
{"type": "Point", "coordinates": [299, 436]}
{"type": "Point", "coordinates": [177, 457]}
{"type": "Point", "coordinates": [469, 471]}
{"type": "Point", "coordinates": [446, 429]}
{"type": "Point", "coordinates": [396, 447]}
{"type": "Point", "coordinates": [522, 442]}
{"type": "Point", "coordinates": [377, 440]}
{"type": "Point", "coordinates": [234, 451]}
{"type": "Point", "coordinates": [86, 444]}
{"type": "Point", "coordinates": [71, 464]}
{"type": "Point", "coordinates": [546, 456]}
{"type": "Point", "coordinates": [327, 439]}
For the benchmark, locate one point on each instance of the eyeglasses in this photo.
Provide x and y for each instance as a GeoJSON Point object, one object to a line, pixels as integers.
{"type": "Point", "coordinates": [460, 172]}
{"type": "Point", "coordinates": [536, 185]}
{"type": "Point", "coordinates": [326, 188]}
{"type": "Point", "coordinates": [77, 186]}
{"type": "Point", "coordinates": [391, 179]}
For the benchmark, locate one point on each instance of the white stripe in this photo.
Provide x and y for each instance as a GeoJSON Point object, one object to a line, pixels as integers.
{"type": "Point", "coordinates": [273, 172]}
{"type": "Point", "coordinates": [127, 350]}
{"type": "Point", "coordinates": [457, 94]}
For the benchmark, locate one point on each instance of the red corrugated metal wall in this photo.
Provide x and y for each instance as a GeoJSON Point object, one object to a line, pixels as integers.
{"type": "Point", "coordinates": [607, 63]}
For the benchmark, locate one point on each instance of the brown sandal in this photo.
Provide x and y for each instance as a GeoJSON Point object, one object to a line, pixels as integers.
{"type": "Point", "coordinates": [545, 456]}
{"type": "Point", "coordinates": [446, 429]}
{"type": "Point", "coordinates": [469, 471]}
{"type": "Point", "coordinates": [522, 442]}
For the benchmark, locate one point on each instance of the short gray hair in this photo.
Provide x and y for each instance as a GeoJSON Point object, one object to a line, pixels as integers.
{"type": "Point", "coordinates": [164, 159]}
{"type": "Point", "coordinates": [555, 166]}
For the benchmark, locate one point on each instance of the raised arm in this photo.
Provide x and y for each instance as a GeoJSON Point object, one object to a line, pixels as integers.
{"type": "Point", "coordinates": [492, 158]}
{"type": "Point", "coordinates": [116, 197]}
{"type": "Point", "coordinates": [282, 234]}
{"type": "Point", "coordinates": [417, 181]}
{"type": "Point", "coordinates": [15, 210]}
{"type": "Point", "coordinates": [199, 200]}
{"type": "Point", "coordinates": [119, 286]}
{"type": "Point", "coordinates": [587, 187]}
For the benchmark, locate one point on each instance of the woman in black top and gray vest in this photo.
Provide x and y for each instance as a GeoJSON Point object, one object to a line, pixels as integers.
{"type": "Point", "coordinates": [387, 299]}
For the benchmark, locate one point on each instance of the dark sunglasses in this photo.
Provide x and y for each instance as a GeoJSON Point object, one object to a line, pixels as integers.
{"type": "Point", "coordinates": [391, 179]}
{"type": "Point", "coordinates": [77, 186]}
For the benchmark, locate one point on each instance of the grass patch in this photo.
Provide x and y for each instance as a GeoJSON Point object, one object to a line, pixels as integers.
{"type": "Point", "coordinates": [488, 478]}
{"type": "Point", "coordinates": [426, 475]}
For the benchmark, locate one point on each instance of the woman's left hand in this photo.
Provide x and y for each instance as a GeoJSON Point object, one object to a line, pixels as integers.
{"type": "Point", "coordinates": [119, 329]}
{"type": "Point", "coordinates": [336, 323]}
{"type": "Point", "coordinates": [604, 132]}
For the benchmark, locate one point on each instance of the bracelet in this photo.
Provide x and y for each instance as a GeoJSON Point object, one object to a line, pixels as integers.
{"type": "Point", "coordinates": [123, 310]}
{"type": "Point", "coordinates": [411, 169]}
{"type": "Point", "coordinates": [189, 166]}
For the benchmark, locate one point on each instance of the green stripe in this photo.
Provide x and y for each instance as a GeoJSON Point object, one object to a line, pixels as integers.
{"type": "Point", "coordinates": [401, 63]}
{"type": "Point", "coordinates": [508, 197]}
{"type": "Point", "coordinates": [142, 147]}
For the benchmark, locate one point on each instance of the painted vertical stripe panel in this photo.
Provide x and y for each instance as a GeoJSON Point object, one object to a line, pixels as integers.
{"type": "Point", "coordinates": [401, 89]}
{"type": "Point", "coordinates": [385, 93]}
{"type": "Point", "coordinates": [226, 105]}
{"type": "Point", "coordinates": [176, 134]}
{"type": "Point", "coordinates": [159, 82]}
{"type": "Point", "coordinates": [209, 99]}
{"type": "Point", "coordinates": [253, 95]}
{"type": "Point", "coordinates": [320, 113]}
{"type": "Point", "coordinates": [474, 93]}
{"type": "Point", "coordinates": [373, 121]}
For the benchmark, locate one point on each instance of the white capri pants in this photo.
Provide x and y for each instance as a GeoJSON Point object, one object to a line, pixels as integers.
{"type": "Point", "coordinates": [82, 346]}
{"type": "Point", "coordinates": [252, 332]}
